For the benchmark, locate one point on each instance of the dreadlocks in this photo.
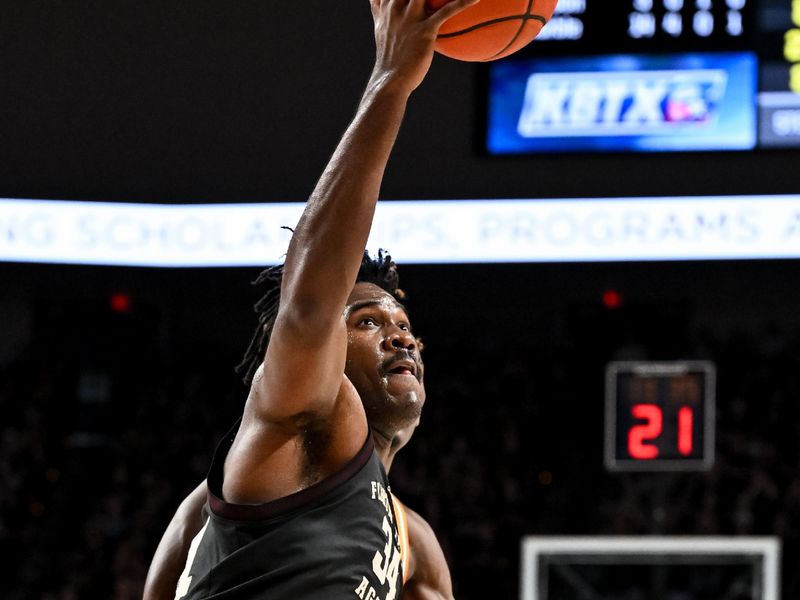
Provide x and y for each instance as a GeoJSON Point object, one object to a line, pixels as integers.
{"type": "Point", "coordinates": [381, 271]}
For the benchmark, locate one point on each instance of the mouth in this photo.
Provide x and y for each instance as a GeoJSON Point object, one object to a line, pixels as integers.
{"type": "Point", "coordinates": [404, 367]}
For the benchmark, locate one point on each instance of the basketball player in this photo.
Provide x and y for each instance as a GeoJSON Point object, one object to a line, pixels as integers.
{"type": "Point", "coordinates": [298, 502]}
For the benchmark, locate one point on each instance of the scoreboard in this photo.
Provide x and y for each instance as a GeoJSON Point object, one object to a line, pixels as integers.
{"type": "Point", "coordinates": [651, 75]}
{"type": "Point", "coordinates": [632, 25]}
{"type": "Point", "coordinates": [660, 416]}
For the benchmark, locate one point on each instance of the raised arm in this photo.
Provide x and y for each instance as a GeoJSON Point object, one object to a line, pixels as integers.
{"type": "Point", "coordinates": [302, 380]}
{"type": "Point", "coordinates": [170, 557]}
{"type": "Point", "coordinates": [329, 240]}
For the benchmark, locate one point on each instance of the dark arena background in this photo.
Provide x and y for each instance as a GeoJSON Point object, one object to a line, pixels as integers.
{"type": "Point", "coordinates": [117, 381]}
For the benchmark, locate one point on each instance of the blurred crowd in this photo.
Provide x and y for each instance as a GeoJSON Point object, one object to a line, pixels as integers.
{"type": "Point", "coordinates": [95, 458]}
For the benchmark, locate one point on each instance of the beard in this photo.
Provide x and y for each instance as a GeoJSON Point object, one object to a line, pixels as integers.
{"type": "Point", "coordinates": [389, 413]}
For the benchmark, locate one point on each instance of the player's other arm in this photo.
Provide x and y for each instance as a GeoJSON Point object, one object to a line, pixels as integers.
{"type": "Point", "coordinates": [429, 575]}
{"type": "Point", "coordinates": [170, 557]}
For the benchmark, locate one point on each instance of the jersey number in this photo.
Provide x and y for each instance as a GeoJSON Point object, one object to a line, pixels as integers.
{"type": "Point", "coordinates": [387, 564]}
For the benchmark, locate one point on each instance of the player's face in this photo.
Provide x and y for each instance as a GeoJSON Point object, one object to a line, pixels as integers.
{"type": "Point", "coordinates": [383, 360]}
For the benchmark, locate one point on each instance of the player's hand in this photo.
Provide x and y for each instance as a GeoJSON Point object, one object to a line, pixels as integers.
{"type": "Point", "coordinates": [405, 34]}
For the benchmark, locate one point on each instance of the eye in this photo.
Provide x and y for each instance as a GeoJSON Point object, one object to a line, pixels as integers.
{"type": "Point", "coordinates": [368, 322]}
{"type": "Point", "coordinates": [404, 326]}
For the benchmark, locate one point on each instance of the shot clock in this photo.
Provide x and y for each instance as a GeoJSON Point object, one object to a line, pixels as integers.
{"type": "Point", "coordinates": [660, 416]}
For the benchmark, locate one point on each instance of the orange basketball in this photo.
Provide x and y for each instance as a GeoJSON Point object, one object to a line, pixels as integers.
{"type": "Point", "coordinates": [491, 29]}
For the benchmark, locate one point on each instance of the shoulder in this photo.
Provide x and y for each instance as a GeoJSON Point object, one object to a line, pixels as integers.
{"type": "Point", "coordinates": [429, 576]}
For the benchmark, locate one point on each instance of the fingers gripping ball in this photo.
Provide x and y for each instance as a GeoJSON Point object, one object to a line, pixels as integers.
{"type": "Point", "coordinates": [491, 29]}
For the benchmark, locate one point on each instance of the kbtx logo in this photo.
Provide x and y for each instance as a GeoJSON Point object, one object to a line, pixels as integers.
{"type": "Point", "coordinates": [620, 102]}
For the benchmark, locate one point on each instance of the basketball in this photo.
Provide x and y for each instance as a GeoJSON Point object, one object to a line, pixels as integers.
{"type": "Point", "coordinates": [491, 29]}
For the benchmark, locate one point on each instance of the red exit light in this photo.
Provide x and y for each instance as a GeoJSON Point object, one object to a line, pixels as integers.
{"type": "Point", "coordinates": [120, 302]}
{"type": "Point", "coordinates": [612, 299]}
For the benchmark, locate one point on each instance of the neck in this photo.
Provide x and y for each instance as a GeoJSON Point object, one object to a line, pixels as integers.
{"type": "Point", "coordinates": [392, 424]}
{"type": "Point", "coordinates": [386, 446]}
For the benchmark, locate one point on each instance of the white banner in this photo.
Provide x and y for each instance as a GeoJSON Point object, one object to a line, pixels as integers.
{"type": "Point", "coordinates": [452, 231]}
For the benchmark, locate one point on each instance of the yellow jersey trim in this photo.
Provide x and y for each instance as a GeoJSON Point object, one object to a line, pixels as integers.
{"type": "Point", "coordinates": [402, 529]}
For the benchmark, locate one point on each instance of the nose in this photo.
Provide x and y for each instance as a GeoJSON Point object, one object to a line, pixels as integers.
{"type": "Point", "coordinates": [399, 339]}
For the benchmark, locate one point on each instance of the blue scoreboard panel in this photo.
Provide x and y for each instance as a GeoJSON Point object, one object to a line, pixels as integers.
{"type": "Point", "coordinates": [652, 75]}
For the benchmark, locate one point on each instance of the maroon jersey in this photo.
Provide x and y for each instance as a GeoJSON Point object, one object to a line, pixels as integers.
{"type": "Point", "coordinates": [335, 540]}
